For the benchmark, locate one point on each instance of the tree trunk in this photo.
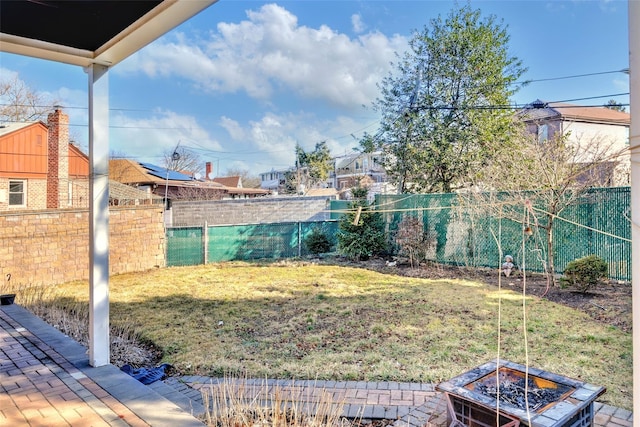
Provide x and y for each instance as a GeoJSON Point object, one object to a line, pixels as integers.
{"type": "Point", "coordinates": [550, 253]}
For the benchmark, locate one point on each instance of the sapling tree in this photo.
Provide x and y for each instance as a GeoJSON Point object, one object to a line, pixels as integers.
{"type": "Point", "coordinates": [536, 183]}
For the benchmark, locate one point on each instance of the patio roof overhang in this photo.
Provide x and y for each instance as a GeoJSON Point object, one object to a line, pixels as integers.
{"type": "Point", "coordinates": [96, 35]}
{"type": "Point", "coordinates": [89, 32]}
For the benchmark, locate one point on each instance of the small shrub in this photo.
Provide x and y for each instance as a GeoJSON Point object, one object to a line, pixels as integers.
{"type": "Point", "coordinates": [317, 242]}
{"type": "Point", "coordinates": [585, 273]}
{"type": "Point", "coordinates": [412, 240]}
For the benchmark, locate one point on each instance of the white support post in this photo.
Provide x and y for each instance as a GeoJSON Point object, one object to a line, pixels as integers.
{"type": "Point", "coordinates": [634, 145]}
{"type": "Point", "coordinates": [98, 215]}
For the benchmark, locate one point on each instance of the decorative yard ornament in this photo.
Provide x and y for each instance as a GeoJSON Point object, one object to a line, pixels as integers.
{"type": "Point", "coordinates": [507, 266]}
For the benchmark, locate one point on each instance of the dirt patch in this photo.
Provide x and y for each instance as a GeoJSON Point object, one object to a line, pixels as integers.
{"type": "Point", "coordinates": [609, 303]}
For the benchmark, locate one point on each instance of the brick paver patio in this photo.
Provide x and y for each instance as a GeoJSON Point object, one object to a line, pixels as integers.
{"type": "Point", "coordinates": [46, 380]}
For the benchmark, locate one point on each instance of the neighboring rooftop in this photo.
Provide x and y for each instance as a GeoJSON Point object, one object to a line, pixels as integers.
{"type": "Point", "coordinates": [538, 110]}
{"type": "Point", "coordinates": [8, 127]}
{"type": "Point", "coordinates": [229, 181]}
{"type": "Point", "coordinates": [130, 171]}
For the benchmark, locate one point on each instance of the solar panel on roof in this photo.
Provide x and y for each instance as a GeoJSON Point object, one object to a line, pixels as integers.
{"type": "Point", "coordinates": [161, 172]}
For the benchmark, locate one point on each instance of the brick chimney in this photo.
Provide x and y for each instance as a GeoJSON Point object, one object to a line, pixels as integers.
{"type": "Point", "coordinates": [58, 159]}
{"type": "Point", "coordinates": [207, 171]}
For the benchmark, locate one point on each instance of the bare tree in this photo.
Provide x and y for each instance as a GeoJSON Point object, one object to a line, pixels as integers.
{"type": "Point", "coordinates": [19, 103]}
{"type": "Point", "coordinates": [181, 159]}
{"type": "Point", "coordinates": [248, 180]}
{"type": "Point", "coordinates": [534, 185]}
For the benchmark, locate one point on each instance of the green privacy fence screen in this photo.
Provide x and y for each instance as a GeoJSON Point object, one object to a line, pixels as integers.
{"type": "Point", "coordinates": [468, 231]}
{"type": "Point", "coordinates": [459, 231]}
{"type": "Point", "coordinates": [185, 246]}
{"type": "Point", "coordinates": [194, 245]}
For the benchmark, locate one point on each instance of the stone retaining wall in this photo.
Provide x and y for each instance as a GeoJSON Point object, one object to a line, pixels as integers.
{"type": "Point", "coordinates": [52, 247]}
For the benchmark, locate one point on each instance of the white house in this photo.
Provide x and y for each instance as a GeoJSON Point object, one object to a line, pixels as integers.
{"type": "Point", "coordinates": [588, 129]}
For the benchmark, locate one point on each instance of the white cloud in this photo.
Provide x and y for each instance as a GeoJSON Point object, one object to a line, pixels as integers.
{"type": "Point", "coordinates": [232, 127]}
{"type": "Point", "coordinates": [148, 138]}
{"type": "Point", "coordinates": [270, 53]}
{"type": "Point", "coordinates": [357, 24]}
{"type": "Point", "coordinates": [622, 83]}
{"type": "Point", "coordinates": [269, 142]}
{"type": "Point", "coordinates": [7, 75]}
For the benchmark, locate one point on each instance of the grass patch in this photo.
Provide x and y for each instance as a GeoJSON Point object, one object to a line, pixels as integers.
{"type": "Point", "coordinates": [343, 323]}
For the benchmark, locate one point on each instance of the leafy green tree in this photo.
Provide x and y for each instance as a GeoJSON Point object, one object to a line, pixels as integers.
{"type": "Point", "coordinates": [311, 168]}
{"type": "Point", "coordinates": [445, 109]}
{"type": "Point", "coordinates": [616, 106]}
{"type": "Point", "coordinates": [361, 231]}
{"type": "Point", "coordinates": [317, 163]}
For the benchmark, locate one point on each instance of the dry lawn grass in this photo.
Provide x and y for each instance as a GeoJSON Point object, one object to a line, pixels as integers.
{"type": "Point", "coordinates": [241, 402]}
{"type": "Point", "coordinates": [308, 321]}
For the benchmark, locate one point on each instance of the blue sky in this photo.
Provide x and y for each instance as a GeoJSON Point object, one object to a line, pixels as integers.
{"type": "Point", "coordinates": [244, 81]}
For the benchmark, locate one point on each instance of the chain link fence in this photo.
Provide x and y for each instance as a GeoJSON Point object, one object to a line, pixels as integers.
{"type": "Point", "coordinates": [459, 229]}
{"type": "Point", "coordinates": [469, 230]}
{"type": "Point", "coordinates": [198, 245]}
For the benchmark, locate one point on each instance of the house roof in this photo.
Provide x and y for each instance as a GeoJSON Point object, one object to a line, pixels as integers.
{"type": "Point", "coordinates": [130, 171]}
{"type": "Point", "coordinates": [7, 128]}
{"type": "Point", "coordinates": [540, 110]}
{"type": "Point", "coordinates": [346, 161]}
{"type": "Point", "coordinates": [164, 173]}
{"type": "Point", "coordinates": [93, 31]}
{"type": "Point", "coordinates": [228, 181]}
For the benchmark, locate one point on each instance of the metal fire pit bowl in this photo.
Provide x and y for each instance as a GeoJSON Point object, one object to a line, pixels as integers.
{"type": "Point", "coordinates": [474, 398]}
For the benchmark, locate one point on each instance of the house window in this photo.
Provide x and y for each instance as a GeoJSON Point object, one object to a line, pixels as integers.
{"type": "Point", "coordinates": [17, 192]}
{"type": "Point", "coordinates": [543, 133]}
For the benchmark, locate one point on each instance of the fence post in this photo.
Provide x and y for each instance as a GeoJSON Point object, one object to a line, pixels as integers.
{"type": "Point", "coordinates": [299, 239]}
{"type": "Point", "coordinates": [205, 242]}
